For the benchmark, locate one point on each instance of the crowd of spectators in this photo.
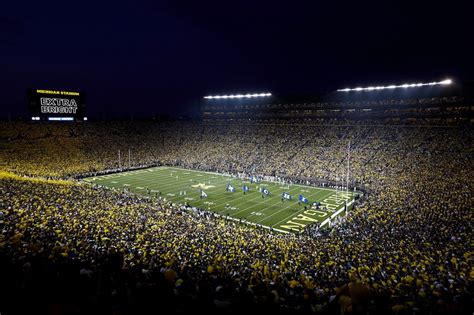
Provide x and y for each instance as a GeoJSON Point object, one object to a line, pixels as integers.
{"type": "Point", "coordinates": [340, 104]}
{"type": "Point", "coordinates": [450, 110]}
{"type": "Point", "coordinates": [67, 247]}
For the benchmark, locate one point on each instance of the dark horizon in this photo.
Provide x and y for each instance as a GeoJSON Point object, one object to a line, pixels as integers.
{"type": "Point", "coordinates": [142, 59]}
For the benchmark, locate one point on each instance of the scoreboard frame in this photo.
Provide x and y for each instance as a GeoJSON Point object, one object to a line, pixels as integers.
{"type": "Point", "coordinates": [56, 105]}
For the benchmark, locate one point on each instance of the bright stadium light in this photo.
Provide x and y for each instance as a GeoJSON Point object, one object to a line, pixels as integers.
{"type": "Point", "coordinates": [248, 95]}
{"type": "Point", "coordinates": [389, 87]}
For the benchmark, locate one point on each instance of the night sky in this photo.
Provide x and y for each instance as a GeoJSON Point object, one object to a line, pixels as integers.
{"type": "Point", "coordinates": [148, 57]}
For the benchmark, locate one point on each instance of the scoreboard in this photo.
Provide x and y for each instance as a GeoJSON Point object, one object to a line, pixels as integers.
{"type": "Point", "coordinates": [56, 104]}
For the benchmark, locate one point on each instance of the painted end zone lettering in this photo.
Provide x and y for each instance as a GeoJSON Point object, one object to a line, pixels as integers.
{"type": "Point", "coordinates": [307, 217]}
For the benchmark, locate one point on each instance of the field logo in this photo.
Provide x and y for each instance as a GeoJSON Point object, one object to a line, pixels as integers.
{"type": "Point", "coordinates": [202, 186]}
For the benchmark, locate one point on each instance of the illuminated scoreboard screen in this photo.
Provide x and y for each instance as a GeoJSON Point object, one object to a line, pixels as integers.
{"type": "Point", "coordinates": [56, 105]}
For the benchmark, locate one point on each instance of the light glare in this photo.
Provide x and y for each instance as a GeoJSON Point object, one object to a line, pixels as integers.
{"type": "Point", "coordinates": [447, 81]}
{"type": "Point", "coordinates": [232, 96]}
{"type": "Point", "coordinates": [405, 85]}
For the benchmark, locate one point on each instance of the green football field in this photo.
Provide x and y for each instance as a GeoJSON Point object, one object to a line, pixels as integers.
{"type": "Point", "coordinates": [179, 186]}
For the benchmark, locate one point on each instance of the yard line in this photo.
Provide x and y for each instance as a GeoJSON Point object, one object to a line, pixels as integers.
{"type": "Point", "coordinates": [250, 223]}
{"type": "Point", "coordinates": [226, 175]}
{"type": "Point", "coordinates": [147, 180]}
{"type": "Point", "coordinates": [274, 205]}
{"type": "Point", "coordinates": [226, 195]}
{"type": "Point", "coordinates": [258, 204]}
{"type": "Point", "coordinates": [169, 185]}
{"type": "Point", "coordinates": [175, 187]}
{"type": "Point", "coordinates": [299, 210]}
{"type": "Point", "coordinates": [220, 174]}
{"type": "Point", "coordinates": [293, 215]}
{"type": "Point", "coordinates": [166, 181]}
{"type": "Point", "coordinates": [252, 199]}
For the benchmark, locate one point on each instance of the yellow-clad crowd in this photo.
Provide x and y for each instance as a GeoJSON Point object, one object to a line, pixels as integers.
{"type": "Point", "coordinates": [72, 248]}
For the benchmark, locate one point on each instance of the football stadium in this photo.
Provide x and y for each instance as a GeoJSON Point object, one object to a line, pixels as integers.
{"type": "Point", "coordinates": [195, 159]}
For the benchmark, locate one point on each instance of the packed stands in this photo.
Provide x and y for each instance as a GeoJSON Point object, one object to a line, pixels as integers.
{"type": "Point", "coordinates": [71, 247]}
{"type": "Point", "coordinates": [446, 110]}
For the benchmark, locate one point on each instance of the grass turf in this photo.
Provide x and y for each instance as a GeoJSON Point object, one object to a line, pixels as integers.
{"type": "Point", "coordinates": [178, 186]}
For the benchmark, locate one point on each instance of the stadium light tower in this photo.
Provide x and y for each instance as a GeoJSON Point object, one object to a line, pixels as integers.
{"type": "Point", "coordinates": [248, 95]}
{"type": "Point", "coordinates": [400, 86]}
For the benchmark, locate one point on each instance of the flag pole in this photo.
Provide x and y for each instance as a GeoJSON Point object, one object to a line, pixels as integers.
{"type": "Point", "coordinates": [348, 170]}
{"type": "Point", "coordinates": [348, 165]}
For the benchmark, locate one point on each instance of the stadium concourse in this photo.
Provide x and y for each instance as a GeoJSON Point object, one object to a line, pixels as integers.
{"type": "Point", "coordinates": [70, 247]}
